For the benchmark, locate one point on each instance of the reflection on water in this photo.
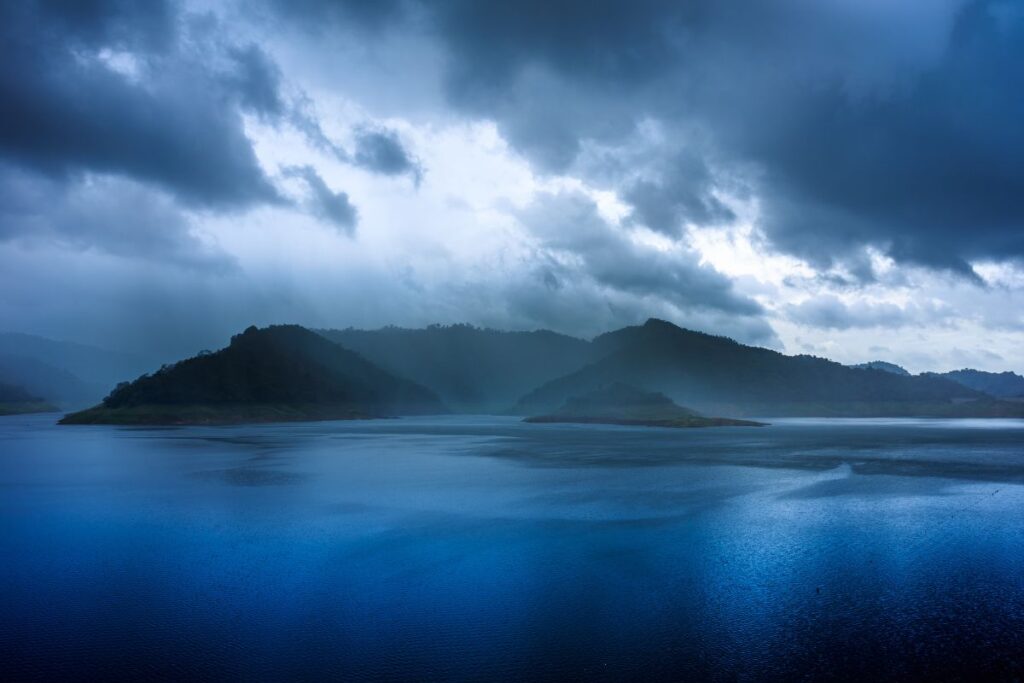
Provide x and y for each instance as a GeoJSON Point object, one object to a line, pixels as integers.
{"type": "Point", "coordinates": [484, 548]}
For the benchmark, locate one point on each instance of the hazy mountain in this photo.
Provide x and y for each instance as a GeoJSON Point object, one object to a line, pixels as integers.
{"type": "Point", "coordinates": [15, 400]}
{"type": "Point", "coordinates": [277, 373]}
{"type": "Point", "coordinates": [471, 369]}
{"type": "Point", "coordinates": [71, 374]}
{"type": "Point", "coordinates": [55, 385]}
{"type": "Point", "coordinates": [883, 366]}
{"type": "Point", "coordinates": [10, 393]}
{"type": "Point", "coordinates": [716, 375]}
{"type": "Point", "coordinates": [998, 384]}
{"type": "Point", "coordinates": [622, 404]}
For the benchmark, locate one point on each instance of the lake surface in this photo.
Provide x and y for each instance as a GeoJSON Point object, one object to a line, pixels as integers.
{"type": "Point", "coordinates": [479, 548]}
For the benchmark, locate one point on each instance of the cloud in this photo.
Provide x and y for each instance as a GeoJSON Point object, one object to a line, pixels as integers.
{"type": "Point", "coordinates": [323, 15]}
{"type": "Point", "coordinates": [257, 82]}
{"type": "Point", "coordinates": [864, 137]}
{"type": "Point", "coordinates": [830, 312]}
{"type": "Point", "coordinates": [68, 111]}
{"type": "Point", "coordinates": [333, 207]}
{"type": "Point", "coordinates": [683, 192]}
{"type": "Point", "coordinates": [381, 151]}
{"type": "Point", "coordinates": [108, 214]}
{"type": "Point", "coordinates": [893, 125]}
{"type": "Point", "coordinates": [576, 245]}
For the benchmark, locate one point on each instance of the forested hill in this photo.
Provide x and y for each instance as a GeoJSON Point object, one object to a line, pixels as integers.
{"type": "Point", "coordinates": [279, 372]}
{"type": "Point", "coordinates": [472, 369]}
{"type": "Point", "coordinates": [716, 375]}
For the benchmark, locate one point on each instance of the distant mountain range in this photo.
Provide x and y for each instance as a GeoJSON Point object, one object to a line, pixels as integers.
{"type": "Point", "coordinates": [998, 384]}
{"type": "Point", "coordinates": [719, 376]}
{"type": "Point", "coordinates": [278, 373]}
{"type": "Point", "coordinates": [288, 373]}
{"type": "Point", "coordinates": [15, 400]}
{"type": "Point", "coordinates": [472, 369]}
{"type": "Point", "coordinates": [68, 374]}
{"type": "Point", "coordinates": [1008, 385]}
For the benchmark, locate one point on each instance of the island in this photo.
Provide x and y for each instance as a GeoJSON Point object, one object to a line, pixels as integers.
{"type": "Point", "coordinates": [622, 404]}
{"type": "Point", "coordinates": [275, 374]}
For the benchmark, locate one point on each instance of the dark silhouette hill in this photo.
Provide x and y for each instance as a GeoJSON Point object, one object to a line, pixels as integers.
{"type": "Point", "coordinates": [472, 369]}
{"type": "Point", "coordinates": [716, 375]}
{"type": "Point", "coordinates": [998, 384]}
{"type": "Point", "coordinates": [621, 404]}
{"type": "Point", "coordinates": [15, 400]}
{"type": "Point", "coordinates": [282, 372]}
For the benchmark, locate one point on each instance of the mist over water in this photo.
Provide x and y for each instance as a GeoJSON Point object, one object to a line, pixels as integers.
{"type": "Point", "coordinates": [486, 548]}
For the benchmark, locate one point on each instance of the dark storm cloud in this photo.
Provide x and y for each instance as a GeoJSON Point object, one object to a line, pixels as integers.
{"type": "Point", "coordinates": [69, 109]}
{"type": "Point", "coordinates": [257, 81]}
{"type": "Point", "coordinates": [324, 15]}
{"type": "Point", "coordinates": [927, 168]}
{"type": "Point", "coordinates": [333, 207]}
{"type": "Point", "coordinates": [381, 151]}
{"type": "Point", "coordinates": [886, 124]}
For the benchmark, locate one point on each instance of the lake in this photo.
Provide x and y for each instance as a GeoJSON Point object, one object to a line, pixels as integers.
{"type": "Point", "coordinates": [483, 548]}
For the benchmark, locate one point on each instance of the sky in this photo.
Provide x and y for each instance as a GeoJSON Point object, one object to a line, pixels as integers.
{"type": "Point", "coordinates": [844, 179]}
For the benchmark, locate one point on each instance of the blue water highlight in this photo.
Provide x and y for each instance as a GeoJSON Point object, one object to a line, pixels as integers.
{"type": "Point", "coordinates": [483, 548]}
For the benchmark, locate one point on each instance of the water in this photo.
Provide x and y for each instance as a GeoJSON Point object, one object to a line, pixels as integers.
{"type": "Point", "coordinates": [488, 549]}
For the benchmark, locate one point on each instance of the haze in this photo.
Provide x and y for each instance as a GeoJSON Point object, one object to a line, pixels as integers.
{"type": "Point", "coordinates": [842, 179]}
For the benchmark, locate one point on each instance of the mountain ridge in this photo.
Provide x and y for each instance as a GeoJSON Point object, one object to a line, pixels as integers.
{"type": "Point", "coordinates": [282, 372]}
{"type": "Point", "coordinates": [999, 384]}
{"type": "Point", "coordinates": [472, 369]}
{"type": "Point", "coordinates": [721, 376]}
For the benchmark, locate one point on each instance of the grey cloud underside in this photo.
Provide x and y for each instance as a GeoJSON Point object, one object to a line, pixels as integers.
{"type": "Point", "coordinates": [887, 124]}
{"type": "Point", "coordinates": [829, 312]}
{"type": "Point", "coordinates": [113, 215]}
